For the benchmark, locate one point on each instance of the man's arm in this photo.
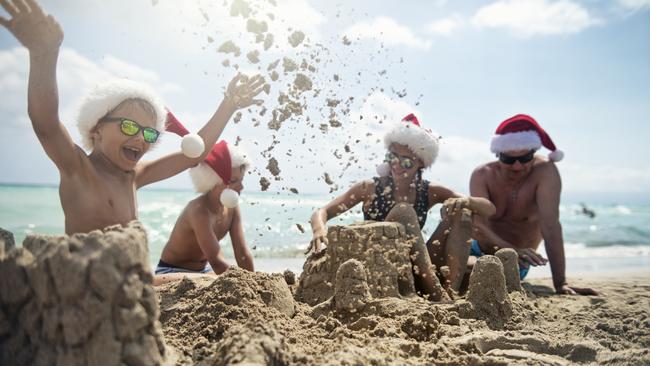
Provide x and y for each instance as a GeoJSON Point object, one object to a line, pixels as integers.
{"type": "Point", "coordinates": [548, 201]}
{"type": "Point", "coordinates": [243, 255]}
{"type": "Point", "coordinates": [42, 36]}
{"type": "Point", "coordinates": [237, 96]}
{"type": "Point", "coordinates": [208, 241]}
{"type": "Point", "coordinates": [482, 231]}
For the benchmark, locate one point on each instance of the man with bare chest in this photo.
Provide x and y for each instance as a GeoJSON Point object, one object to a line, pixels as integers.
{"type": "Point", "coordinates": [194, 245]}
{"type": "Point", "coordinates": [525, 189]}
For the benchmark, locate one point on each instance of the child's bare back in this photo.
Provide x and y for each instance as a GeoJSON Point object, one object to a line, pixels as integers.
{"type": "Point", "coordinates": [183, 248]}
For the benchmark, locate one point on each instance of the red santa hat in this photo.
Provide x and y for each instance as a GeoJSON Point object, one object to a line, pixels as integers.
{"type": "Point", "coordinates": [216, 168]}
{"type": "Point", "coordinates": [422, 142]}
{"type": "Point", "coordinates": [192, 144]}
{"type": "Point", "coordinates": [522, 132]}
{"type": "Point", "coordinates": [105, 97]}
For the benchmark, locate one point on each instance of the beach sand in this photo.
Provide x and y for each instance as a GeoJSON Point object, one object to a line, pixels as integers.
{"type": "Point", "coordinates": [249, 318]}
{"type": "Point", "coordinates": [88, 300]}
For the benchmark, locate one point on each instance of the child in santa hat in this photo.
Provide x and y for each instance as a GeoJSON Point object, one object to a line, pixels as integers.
{"type": "Point", "coordinates": [400, 194]}
{"type": "Point", "coordinates": [119, 121]}
{"type": "Point", "coordinates": [193, 247]}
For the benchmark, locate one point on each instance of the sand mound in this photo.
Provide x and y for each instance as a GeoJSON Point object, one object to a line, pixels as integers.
{"type": "Point", "coordinates": [380, 247]}
{"type": "Point", "coordinates": [487, 291]}
{"type": "Point", "coordinates": [80, 300]}
{"type": "Point", "coordinates": [197, 313]}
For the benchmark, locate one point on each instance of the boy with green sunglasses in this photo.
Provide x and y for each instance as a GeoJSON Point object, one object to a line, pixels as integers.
{"type": "Point", "coordinates": [97, 189]}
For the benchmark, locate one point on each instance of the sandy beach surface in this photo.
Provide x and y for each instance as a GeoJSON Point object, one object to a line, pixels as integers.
{"type": "Point", "coordinates": [361, 311]}
{"type": "Point", "coordinates": [88, 300]}
{"type": "Point", "coordinates": [207, 324]}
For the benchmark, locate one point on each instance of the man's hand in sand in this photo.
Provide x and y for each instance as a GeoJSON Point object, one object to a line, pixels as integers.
{"type": "Point", "coordinates": [242, 89]}
{"type": "Point", "coordinates": [319, 237]}
{"type": "Point", "coordinates": [529, 257]}
{"type": "Point", "coordinates": [572, 290]}
{"type": "Point", "coordinates": [40, 33]}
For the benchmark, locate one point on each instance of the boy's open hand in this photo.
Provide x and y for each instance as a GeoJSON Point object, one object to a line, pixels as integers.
{"type": "Point", "coordinates": [242, 90]}
{"type": "Point", "coordinates": [40, 33]}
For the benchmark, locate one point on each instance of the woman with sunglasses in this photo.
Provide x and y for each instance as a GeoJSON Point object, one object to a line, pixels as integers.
{"type": "Point", "coordinates": [400, 194]}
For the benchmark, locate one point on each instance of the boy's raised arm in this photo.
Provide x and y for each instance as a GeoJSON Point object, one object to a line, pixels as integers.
{"type": "Point", "coordinates": [240, 94]}
{"type": "Point", "coordinates": [42, 36]}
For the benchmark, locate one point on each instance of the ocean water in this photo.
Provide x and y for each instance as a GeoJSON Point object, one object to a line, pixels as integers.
{"type": "Point", "coordinates": [617, 238]}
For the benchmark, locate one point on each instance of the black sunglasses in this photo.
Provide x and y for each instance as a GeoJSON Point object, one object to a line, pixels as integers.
{"type": "Point", "coordinates": [523, 159]}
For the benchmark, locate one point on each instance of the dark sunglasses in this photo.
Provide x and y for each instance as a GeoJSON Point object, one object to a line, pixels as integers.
{"type": "Point", "coordinates": [131, 128]}
{"type": "Point", "coordinates": [406, 163]}
{"type": "Point", "coordinates": [523, 159]}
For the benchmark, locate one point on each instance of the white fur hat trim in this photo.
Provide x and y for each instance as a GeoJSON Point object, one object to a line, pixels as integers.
{"type": "Point", "coordinates": [204, 178]}
{"type": "Point", "coordinates": [525, 140]}
{"type": "Point", "coordinates": [105, 97]}
{"type": "Point", "coordinates": [421, 142]}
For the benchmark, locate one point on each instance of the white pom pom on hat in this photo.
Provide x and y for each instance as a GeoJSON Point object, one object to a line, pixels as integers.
{"type": "Point", "coordinates": [229, 198]}
{"type": "Point", "coordinates": [522, 132]}
{"type": "Point", "coordinates": [216, 168]}
{"type": "Point", "coordinates": [105, 97]}
{"type": "Point", "coordinates": [192, 145]}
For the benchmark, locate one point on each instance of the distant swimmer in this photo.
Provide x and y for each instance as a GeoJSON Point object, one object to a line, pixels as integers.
{"type": "Point", "coordinates": [587, 211]}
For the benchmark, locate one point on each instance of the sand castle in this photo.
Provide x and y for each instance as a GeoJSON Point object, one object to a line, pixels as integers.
{"type": "Point", "coordinates": [380, 247]}
{"type": "Point", "coordinates": [80, 300]}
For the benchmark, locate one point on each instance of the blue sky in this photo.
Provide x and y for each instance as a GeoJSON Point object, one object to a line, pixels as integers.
{"type": "Point", "coordinates": [581, 68]}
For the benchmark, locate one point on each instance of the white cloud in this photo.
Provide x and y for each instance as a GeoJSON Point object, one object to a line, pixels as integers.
{"type": "Point", "coordinates": [76, 74]}
{"type": "Point", "coordinates": [388, 31]}
{"type": "Point", "coordinates": [527, 18]}
{"type": "Point", "coordinates": [634, 4]}
{"type": "Point", "coordinates": [444, 27]}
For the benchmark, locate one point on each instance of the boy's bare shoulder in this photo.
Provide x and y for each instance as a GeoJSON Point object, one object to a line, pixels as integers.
{"type": "Point", "coordinates": [196, 208]}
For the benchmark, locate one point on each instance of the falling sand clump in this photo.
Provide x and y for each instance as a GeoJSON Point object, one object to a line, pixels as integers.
{"type": "Point", "coordinates": [240, 7]}
{"type": "Point", "coordinates": [296, 38]}
{"type": "Point", "coordinates": [80, 300]}
{"type": "Point", "coordinates": [229, 47]}
{"type": "Point", "coordinates": [302, 82]}
{"type": "Point", "coordinates": [272, 167]}
{"type": "Point", "coordinates": [253, 56]}
{"type": "Point", "coordinates": [256, 27]}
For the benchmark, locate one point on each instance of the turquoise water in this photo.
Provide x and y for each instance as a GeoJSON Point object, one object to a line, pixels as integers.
{"type": "Point", "coordinates": [618, 236]}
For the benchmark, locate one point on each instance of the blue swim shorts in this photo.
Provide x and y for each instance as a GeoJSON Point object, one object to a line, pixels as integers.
{"type": "Point", "coordinates": [477, 252]}
{"type": "Point", "coordinates": [166, 268]}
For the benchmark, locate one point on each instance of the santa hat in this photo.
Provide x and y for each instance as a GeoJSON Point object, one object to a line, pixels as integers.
{"type": "Point", "coordinates": [192, 144]}
{"type": "Point", "coordinates": [422, 142]}
{"type": "Point", "coordinates": [105, 97]}
{"type": "Point", "coordinates": [216, 168]}
{"type": "Point", "coordinates": [522, 132]}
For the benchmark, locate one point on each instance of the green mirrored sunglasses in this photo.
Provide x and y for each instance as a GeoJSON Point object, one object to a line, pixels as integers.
{"type": "Point", "coordinates": [131, 128]}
